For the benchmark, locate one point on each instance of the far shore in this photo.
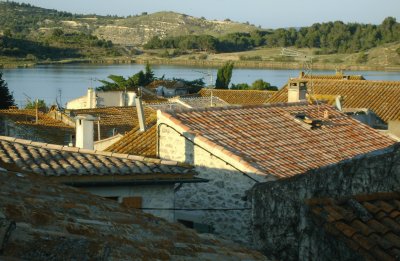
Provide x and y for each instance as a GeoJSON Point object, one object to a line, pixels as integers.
{"type": "Point", "coordinates": [201, 63]}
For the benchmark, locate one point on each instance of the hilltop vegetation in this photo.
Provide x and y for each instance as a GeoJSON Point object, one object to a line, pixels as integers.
{"type": "Point", "coordinates": [32, 34]}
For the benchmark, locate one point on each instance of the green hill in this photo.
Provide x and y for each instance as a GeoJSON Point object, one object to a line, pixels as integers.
{"type": "Point", "coordinates": [137, 30]}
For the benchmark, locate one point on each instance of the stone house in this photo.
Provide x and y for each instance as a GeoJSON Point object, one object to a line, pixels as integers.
{"type": "Point", "coordinates": [42, 220]}
{"type": "Point", "coordinates": [237, 147]}
{"type": "Point", "coordinates": [135, 181]}
{"type": "Point", "coordinates": [346, 211]}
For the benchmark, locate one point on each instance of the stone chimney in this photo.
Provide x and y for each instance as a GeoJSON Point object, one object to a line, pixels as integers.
{"type": "Point", "coordinates": [297, 90]}
{"type": "Point", "coordinates": [91, 98]}
{"type": "Point", "coordinates": [140, 112]}
{"type": "Point", "coordinates": [84, 131]}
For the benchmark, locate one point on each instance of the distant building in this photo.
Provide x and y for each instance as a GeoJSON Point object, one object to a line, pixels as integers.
{"type": "Point", "coordinates": [98, 99]}
{"type": "Point", "coordinates": [377, 101]}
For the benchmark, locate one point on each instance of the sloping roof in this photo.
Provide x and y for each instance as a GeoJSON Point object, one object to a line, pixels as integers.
{"type": "Point", "coordinates": [138, 143]}
{"type": "Point", "coordinates": [382, 97]}
{"type": "Point", "coordinates": [202, 102]}
{"type": "Point", "coordinates": [165, 105]}
{"type": "Point", "coordinates": [272, 140]}
{"type": "Point", "coordinates": [46, 128]}
{"type": "Point", "coordinates": [40, 220]}
{"type": "Point", "coordinates": [70, 162]}
{"type": "Point", "coordinates": [240, 97]}
{"type": "Point", "coordinates": [120, 119]}
{"type": "Point", "coordinates": [368, 224]}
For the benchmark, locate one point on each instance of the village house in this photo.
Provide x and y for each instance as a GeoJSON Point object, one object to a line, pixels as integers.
{"type": "Point", "coordinates": [346, 211]}
{"type": "Point", "coordinates": [240, 146]}
{"type": "Point", "coordinates": [42, 220]}
{"type": "Point", "coordinates": [136, 181]}
{"type": "Point", "coordinates": [375, 103]}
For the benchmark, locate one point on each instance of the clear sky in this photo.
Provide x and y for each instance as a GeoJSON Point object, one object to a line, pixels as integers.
{"type": "Point", "coordinates": [267, 13]}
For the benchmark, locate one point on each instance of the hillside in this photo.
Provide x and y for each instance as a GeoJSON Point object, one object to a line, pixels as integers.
{"type": "Point", "coordinates": [137, 30]}
{"type": "Point", "coordinates": [34, 22]}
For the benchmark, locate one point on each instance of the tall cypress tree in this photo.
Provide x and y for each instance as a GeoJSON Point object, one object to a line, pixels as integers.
{"type": "Point", "coordinates": [224, 76]}
{"type": "Point", "coordinates": [6, 98]}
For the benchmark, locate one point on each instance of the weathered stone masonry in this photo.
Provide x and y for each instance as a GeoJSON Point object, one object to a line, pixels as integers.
{"type": "Point", "coordinates": [281, 221]}
{"type": "Point", "coordinates": [225, 192]}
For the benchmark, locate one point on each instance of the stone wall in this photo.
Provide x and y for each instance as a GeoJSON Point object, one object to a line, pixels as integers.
{"type": "Point", "coordinates": [280, 218]}
{"type": "Point", "coordinates": [221, 203]}
{"type": "Point", "coordinates": [160, 197]}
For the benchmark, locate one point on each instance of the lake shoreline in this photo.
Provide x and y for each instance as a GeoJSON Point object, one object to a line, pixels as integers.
{"type": "Point", "coordinates": [204, 63]}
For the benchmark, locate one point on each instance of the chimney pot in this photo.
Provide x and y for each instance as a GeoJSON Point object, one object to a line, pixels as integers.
{"type": "Point", "coordinates": [297, 90]}
{"type": "Point", "coordinates": [84, 131]}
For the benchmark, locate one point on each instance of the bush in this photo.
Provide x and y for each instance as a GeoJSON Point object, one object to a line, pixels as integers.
{"type": "Point", "coordinates": [203, 57]}
{"type": "Point", "coordinates": [362, 58]}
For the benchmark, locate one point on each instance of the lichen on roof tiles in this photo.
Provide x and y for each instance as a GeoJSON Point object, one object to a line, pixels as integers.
{"type": "Point", "coordinates": [369, 222]}
{"type": "Point", "coordinates": [48, 221]}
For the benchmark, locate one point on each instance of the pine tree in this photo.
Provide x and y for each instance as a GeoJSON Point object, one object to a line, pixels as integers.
{"type": "Point", "coordinates": [6, 98]}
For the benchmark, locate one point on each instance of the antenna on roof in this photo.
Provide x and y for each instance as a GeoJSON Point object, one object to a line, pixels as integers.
{"type": "Point", "coordinates": [307, 65]}
{"type": "Point", "coordinates": [208, 74]}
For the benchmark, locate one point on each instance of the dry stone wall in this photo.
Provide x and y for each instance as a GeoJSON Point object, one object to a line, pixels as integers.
{"type": "Point", "coordinates": [281, 222]}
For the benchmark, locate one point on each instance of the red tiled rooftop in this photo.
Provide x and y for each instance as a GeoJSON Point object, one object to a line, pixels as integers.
{"type": "Point", "coordinates": [272, 140]}
{"type": "Point", "coordinates": [382, 97]}
{"type": "Point", "coordinates": [240, 97]}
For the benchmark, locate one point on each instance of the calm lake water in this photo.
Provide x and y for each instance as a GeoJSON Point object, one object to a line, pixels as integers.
{"type": "Point", "coordinates": [72, 81]}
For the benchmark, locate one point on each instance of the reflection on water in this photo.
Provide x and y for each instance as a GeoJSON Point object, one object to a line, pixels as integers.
{"type": "Point", "coordinates": [46, 82]}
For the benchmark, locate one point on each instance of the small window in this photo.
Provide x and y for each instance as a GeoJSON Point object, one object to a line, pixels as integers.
{"type": "Point", "coordinates": [113, 198]}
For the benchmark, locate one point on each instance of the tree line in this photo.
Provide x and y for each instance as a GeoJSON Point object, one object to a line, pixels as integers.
{"type": "Point", "coordinates": [330, 37]}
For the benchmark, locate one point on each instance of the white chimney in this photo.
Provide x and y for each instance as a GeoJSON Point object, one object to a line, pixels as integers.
{"type": "Point", "coordinates": [84, 131]}
{"type": "Point", "coordinates": [91, 98]}
{"type": "Point", "coordinates": [131, 98]}
{"type": "Point", "coordinates": [140, 112]}
{"type": "Point", "coordinates": [297, 90]}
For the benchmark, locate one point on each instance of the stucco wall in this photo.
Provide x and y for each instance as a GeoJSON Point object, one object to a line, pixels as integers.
{"type": "Point", "coordinates": [281, 219]}
{"type": "Point", "coordinates": [222, 201]}
{"type": "Point", "coordinates": [153, 196]}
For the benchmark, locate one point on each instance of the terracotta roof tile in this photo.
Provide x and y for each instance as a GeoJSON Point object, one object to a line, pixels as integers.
{"type": "Point", "coordinates": [377, 238]}
{"type": "Point", "coordinates": [272, 140]}
{"type": "Point", "coordinates": [47, 221]}
{"type": "Point", "coordinates": [46, 128]}
{"type": "Point", "coordinates": [240, 97]}
{"type": "Point", "coordinates": [382, 97]}
{"type": "Point", "coordinates": [50, 160]}
{"type": "Point", "coordinates": [202, 102]}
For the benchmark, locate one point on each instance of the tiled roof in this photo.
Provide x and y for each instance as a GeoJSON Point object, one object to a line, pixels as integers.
{"type": "Point", "coordinates": [40, 220]}
{"type": "Point", "coordinates": [202, 102]}
{"type": "Point", "coordinates": [46, 128]}
{"type": "Point", "coordinates": [337, 76]}
{"type": "Point", "coordinates": [240, 97]}
{"type": "Point", "coordinates": [382, 97]}
{"type": "Point", "coordinates": [272, 140]}
{"type": "Point", "coordinates": [120, 119]}
{"type": "Point", "coordinates": [368, 224]}
{"type": "Point", "coordinates": [59, 161]}
{"type": "Point", "coordinates": [138, 143]}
